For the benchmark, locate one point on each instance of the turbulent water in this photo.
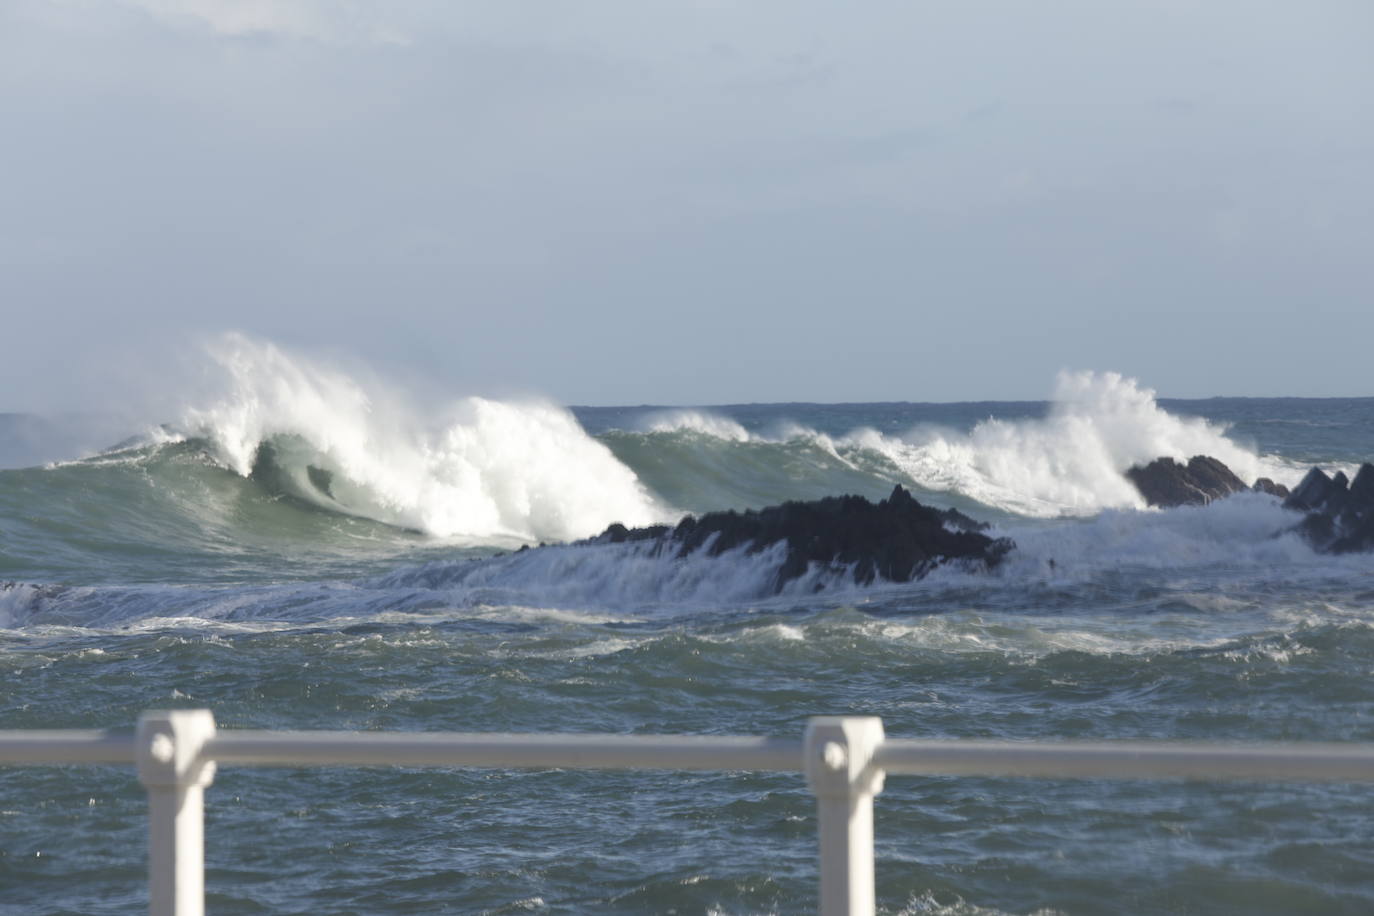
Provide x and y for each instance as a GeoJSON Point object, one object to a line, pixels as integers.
{"type": "Point", "coordinates": [307, 550]}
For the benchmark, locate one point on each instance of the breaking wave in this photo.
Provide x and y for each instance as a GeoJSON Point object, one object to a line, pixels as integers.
{"type": "Point", "coordinates": [1068, 462]}
{"type": "Point", "coordinates": [1240, 548]}
{"type": "Point", "coordinates": [485, 470]}
{"type": "Point", "coordinates": [292, 468]}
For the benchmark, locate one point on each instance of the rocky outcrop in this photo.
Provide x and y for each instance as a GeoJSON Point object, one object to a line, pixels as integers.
{"type": "Point", "coordinates": [897, 539]}
{"type": "Point", "coordinates": [1340, 512]}
{"type": "Point", "coordinates": [1166, 483]}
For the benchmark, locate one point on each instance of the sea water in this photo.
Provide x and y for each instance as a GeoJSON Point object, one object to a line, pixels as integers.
{"type": "Point", "coordinates": [304, 550]}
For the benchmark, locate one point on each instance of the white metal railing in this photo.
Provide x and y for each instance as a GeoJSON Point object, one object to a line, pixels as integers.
{"type": "Point", "coordinates": [845, 759]}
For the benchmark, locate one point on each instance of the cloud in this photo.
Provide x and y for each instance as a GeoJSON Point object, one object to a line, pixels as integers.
{"type": "Point", "coordinates": [332, 21]}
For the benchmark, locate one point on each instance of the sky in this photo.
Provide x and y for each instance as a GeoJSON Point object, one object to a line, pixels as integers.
{"type": "Point", "coordinates": [618, 202]}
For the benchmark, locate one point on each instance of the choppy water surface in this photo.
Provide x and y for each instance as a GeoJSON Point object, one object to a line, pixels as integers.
{"type": "Point", "coordinates": [196, 568]}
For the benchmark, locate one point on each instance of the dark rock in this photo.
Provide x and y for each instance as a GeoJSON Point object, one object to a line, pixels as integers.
{"type": "Point", "coordinates": [896, 540]}
{"type": "Point", "coordinates": [1340, 513]}
{"type": "Point", "coordinates": [619, 534]}
{"type": "Point", "coordinates": [1362, 487]}
{"type": "Point", "coordinates": [1213, 477]}
{"type": "Point", "coordinates": [615, 534]}
{"type": "Point", "coordinates": [1165, 483]}
{"type": "Point", "coordinates": [1311, 493]}
{"type": "Point", "coordinates": [1357, 537]}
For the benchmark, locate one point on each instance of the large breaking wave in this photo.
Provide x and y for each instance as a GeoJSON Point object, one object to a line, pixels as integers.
{"type": "Point", "coordinates": [484, 470]}
{"type": "Point", "coordinates": [1070, 462]}
{"type": "Point", "coordinates": [293, 468]}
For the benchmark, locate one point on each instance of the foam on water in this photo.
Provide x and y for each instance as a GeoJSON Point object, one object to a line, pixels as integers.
{"type": "Point", "coordinates": [624, 576]}
{"type": "Point", "coordinates": [15, 601]}
{"type": "Point", "coordinates": [1249, 531]}
{"type": "Point", "coordinates": [488, 469]}
{"type": "Point", "coordinates": [1246, 539]}
{"type": "Point", "coordinates": [1071, 462]}
{"type": "Point", "coordinates": [697, 421]}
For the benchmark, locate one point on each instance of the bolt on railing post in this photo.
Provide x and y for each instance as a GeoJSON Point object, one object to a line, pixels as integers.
{"type": "Point", "coordinates": [173, 768]}
{"type": "Point", "coordinates": [839, 769]}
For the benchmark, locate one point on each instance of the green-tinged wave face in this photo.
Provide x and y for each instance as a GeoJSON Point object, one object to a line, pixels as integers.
{"type": "Point", "coordinates": [172, 513]}
{"type": "Point", "coordinates": [700, 472]}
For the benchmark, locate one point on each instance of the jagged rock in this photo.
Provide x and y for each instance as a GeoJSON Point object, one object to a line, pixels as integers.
{"type": "Point", "coordinates": [1312, 492]}
{"type": "Point", "coordinates": [897, 539]}
{"type": "Point", "coordinates": [1213, 477]}
{"type": "Point", "coordinates": [1340, 513]}
{"type": "Point", "coordinates": [618, 533]}
{"type": "Point", "coordinates": [1362, 487]}
{"type": "Point", "coordinates": [1358, 537]}
{"type": "Point", "coordinates": [1165, 483]}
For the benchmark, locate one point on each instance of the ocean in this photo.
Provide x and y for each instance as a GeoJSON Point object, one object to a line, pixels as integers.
{"type": "Point", "coordinates": [304, 550]}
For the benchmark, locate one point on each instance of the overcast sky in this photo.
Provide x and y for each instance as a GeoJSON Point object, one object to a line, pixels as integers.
{"type": "Point", "coordinates": [613, 201]}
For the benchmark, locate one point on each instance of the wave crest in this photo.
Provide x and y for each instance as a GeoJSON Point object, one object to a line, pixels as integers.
{"type": "Point", "coordinates": [1072, 461]}
{"type": "Point", "coordinates": [488, 470]}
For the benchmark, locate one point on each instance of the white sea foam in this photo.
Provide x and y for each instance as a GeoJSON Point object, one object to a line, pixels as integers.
{"type": "Point", "coordinates": [706, 423]}
{"type": "Point", "coordinates": [1246, 531]}
{"type": "Point", "coordinates": [1214, 562]}
{"type": "Point", "coordinates": [15, 602]}
{"type": "Point", "coordinates": [1017, 635]}
{"type": "Point", "coordinates": [928, 905]}
{"type": "Point", "coordinates": [624, 576]}
{"type": "Point", "coordinates": [696, 421]}
{"type": "Point", "coordinates": [489, 469]}
{"type": "Point", "coordinates": [1071, 462]}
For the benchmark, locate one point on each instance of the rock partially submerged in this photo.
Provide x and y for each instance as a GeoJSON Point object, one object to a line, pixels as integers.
{"type": "Point", "coordinates": [1340, 512]}
{"type": "Point", "coordinates": [1265, 485]}
{"type": "Point", "coordinates": [1165, 483]}
{"type": "Point", "coordinates": [897, 539]}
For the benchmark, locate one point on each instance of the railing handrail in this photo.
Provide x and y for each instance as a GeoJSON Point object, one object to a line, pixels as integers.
{"type": "Point", "coordinates": [845, 760]}
{"type": "Point", "coordinates": [48, 746]}
{"type": "Point", "coordinates": [1131, 759]}
{"type": "Point", "coordinates": [489, 749]}
{"type": "Point", "coordinates": [1118, 759]}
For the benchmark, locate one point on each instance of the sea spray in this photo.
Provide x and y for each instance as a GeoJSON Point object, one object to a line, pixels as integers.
{"type": "Point", "coordinates": [700, 421]}
{"type": "Point", "coordinates": [489, 469]}
{"type": "Point", "coordinates": [1068, 462]}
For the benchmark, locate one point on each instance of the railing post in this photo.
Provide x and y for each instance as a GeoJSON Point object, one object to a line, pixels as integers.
{"type": "Point", "coordinates": [172, 767]}
{"type": "Point", "coordinates": [839, 769]}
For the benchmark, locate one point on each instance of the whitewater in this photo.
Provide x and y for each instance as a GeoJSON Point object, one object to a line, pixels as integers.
{"type": "Point", "coordinates": [301, 545]}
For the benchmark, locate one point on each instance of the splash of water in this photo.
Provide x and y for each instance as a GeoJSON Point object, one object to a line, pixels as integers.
{"type": "Point", "coordinates": [1072, 461]}
{"type": "Point", "coordinates": [488, 470]}
{"type": "Point", "coordinates": [696, 421]}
